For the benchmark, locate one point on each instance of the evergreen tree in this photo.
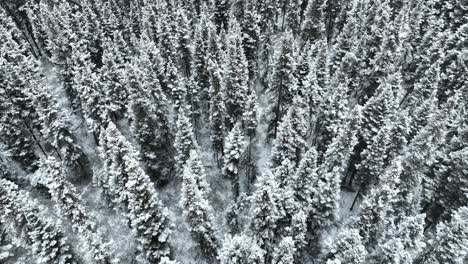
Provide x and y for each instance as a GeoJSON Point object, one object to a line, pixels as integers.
{"type": "Point", "coordinates": [149, 124]}
{"type": "Point", "coordinates": [236, 76]}
{"type": "Point", "coordinates": [251, 36]}
{"type": "Point", "coordinates": [292, 131]}
{"type": "Point", "coordinates": [332, 170]}
{"type": "Point", "coordinates": [347, 248]}
{"type": "Point", "coordinates": [285, 251]}
{"type": "Point", "coordinates": [449, 242]}
{"type": "Point", "coordinates": [250, 123]}
{"type": "Point", "coordinates": [113, 77]}
{"type": "Point", "coordinates": [185, 139]}
{"type": "Point", "coordinates": [312, 24]}
{"type": "Point", "coordinates": [305, 179]}
{"type": "Point", "coordinates": [18, 122]}
{"type": "Point", "coordinates": [56, 130]}
{"type": "Point", "coordinates": [376, 110]}
{"type": "Point", "coordinates": [282, 85]}
{"type": "Point", "coordinates": [402, 243]}
{"type": "Point", "coordinates": [6, 247]}
{"type": "Point", "coordinates": [241, 249]}
{"type": "Point", "coordinates": [88, 88]}
{"type": "Point", "coordinates": [70, 205]}
{"type": "Point", "coordinates": [46, 241]}
{"type": "Point", "coordinates": [233, 152]}
{"type": "Point", "coordinates": [130, 188]}
{"type": "Point", "coordinates": [217, 107]}
{"type": "Point", "coordinates": [333, 109]}
{"type": "Point", "coordinates": [265, 212]}
{"type": "Point", "coordinates": [196, 207]}
{"type": "Point", "coordinates": [299, 232]}
{"type": "Point", "coordinates": [378, 206]}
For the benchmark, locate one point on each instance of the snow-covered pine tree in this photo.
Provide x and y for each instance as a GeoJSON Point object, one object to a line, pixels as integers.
{"type": "Point", "coordinates": [196, 207]}
{"type": "Point", "coordinates": [6, 247]}
{"type": "Point", "coordinates": [378, 206]}
{"type": "Point", "coordinates": [70, 205]}
{"type": "Point", "coordinates": [184, 140]}
{"type": "Point", "coordinates": [240, 249]}
{"type": "Point", "coordinates": [113, 77]}
{"type": "Point", "coordinates": [46, 241]}
{"type": "Point", "coordinates": [377, 110]}
{"type": "Point", "coordinates": [382, 149]}
{"type": "Point", "coordinates": [312, 24]}
{"type": "Point", "coordinates": [284, 252]}
{"type": "Point", "coordinates": [217, 107]}
{"type": "Point", "coordinates": [233, 151]}
{"type": "Point", "coordinates": [237, 76]}
{"type": "Point", "coordinates": [200, 83]}
{"type": "Point", "coordinates": [148, 121]}
{"type": "Point", "coordinates": [265, 212]}
{"type": "Point", "coordinates": [250, 123]}
{"type": "Point", "coordinates": [305, 180]}
{"type": "Point", "coordinates": [347, 248]}
{"type": "Point", "coordinates": [402, 242]}
{"type": "Point", "coordinates": [448, 244]}
{"type": "Point", "coordinates": [18, 122]}
{"type": "Point", "coordinates": [330, 10]}
{"type": "Point", "coordinates": [282, 83]}
{"type": "Point", "coordinates": [86, 84]}
{"type": "Point", "coordinates": [332, 170]}
{"type": "Point", "coordinates": [251, 36]}
{"type": "Point", "coordinates": [333, 109]}
{"type": "Point", "coordinates": [420, 155]}
{"type": "Point", "coordinates": [131, 190]}
{"type": "Point", "coordinates": [185, 55]}
{"type": "Point", "coordinates": [292, 131]}
{"type": "Point", "coordinates": [56, 130]}
{"type": "Point", "coordinates": [298, 232]}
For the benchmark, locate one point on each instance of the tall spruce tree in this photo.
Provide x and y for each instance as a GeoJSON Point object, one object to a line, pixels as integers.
{"type": "Point", "coordinates": [70, 205]}
{"type": "Point", "coordinates": [196, 207]}
{"type": "Point", "coordinates": [282, 84]}
{"type": "Point", "coordinates": [132, 191]}
{"type": "Point", "coordinates": [234, 150]}
{"type": "Point", "coordinates": [46, 241]}
{"type": "Point", "coordinates": [240, 249]}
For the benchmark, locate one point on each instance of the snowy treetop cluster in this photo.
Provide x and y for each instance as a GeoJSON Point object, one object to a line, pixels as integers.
{"type": "Point", "coordinates": [233, 131]}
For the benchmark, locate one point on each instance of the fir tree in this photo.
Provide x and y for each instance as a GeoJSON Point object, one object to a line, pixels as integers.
{"type": "Point", "coordinates": [233, 152]}
{"type": "Point", "coordinates": [305, 179]}
{"type": "Point", "coordinates": [184, 140]}
{"type": "Point", "coordinates": [113, 77]}
{"type": "Point", "coordinates": [292, 131]}
{"type": "Point", "coordinates": [70, 205]}
{"type": "Point", "coordinates": [196, 207]}
{"type": "Point", "coordinates": [217, 108]}
{"type": "Point", "coordinates": [402, 243]}
{"type": "Point", "coordinates": [149, 123]}
{"type": "Point", "coordinates": [46, 241]}
{"type": "Point", "coordinates": [347, 248]}
{"type": "Point", "coordinates": [449, 242]}
{"type": "Point", "coordinates": [18, 122]}
{"type": "Point", "coordinates": [285, 251]}
{"type": "Point", "coordinates": [239, 249]}
{"type": "Point", "coordinates": [265, 212]}
{"type": "Point", "coordinates": [236, 76]}
{"type": "Point", "coordinates": [312, 24]}
{"type": "Point", "coordinates": [333, 109]}
{"type": "Point", "coordinates": [130, 188]}
{"type": "Point", "coordinates": [377, 207]}
{"type": "Point", "coordinates": [57, 130]}
{"type": "Point", "coordinates": [282, 84]}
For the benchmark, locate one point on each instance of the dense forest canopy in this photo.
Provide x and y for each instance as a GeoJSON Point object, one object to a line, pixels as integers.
{"type": "Point", "coordinates": [234, 131]}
